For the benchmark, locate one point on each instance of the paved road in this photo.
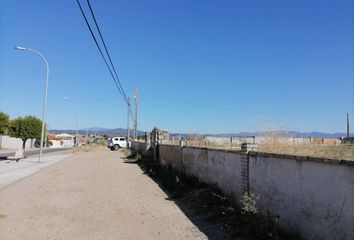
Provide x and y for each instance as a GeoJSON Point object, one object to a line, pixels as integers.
{"type": "Point", "coordinates": [91, 195]}
{"type": "Point", "coordinates": [32, 152]}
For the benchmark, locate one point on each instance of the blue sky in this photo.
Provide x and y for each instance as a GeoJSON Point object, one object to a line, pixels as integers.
{"type": "Point", "coordinates": [202, 66]}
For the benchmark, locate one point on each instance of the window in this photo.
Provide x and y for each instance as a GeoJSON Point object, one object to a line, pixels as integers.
{"type": "Point", "coordinates": [122, 139]}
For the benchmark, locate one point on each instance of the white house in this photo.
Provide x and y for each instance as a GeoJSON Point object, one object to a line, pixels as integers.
{"type": "Point", "coordinates": [66, 140]}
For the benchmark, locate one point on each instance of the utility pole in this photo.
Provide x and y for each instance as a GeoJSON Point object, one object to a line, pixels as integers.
{"type": "Point", "coordinates": [136, 111]}
{"type": "Point", "coordinates": [347, 125]}
{"type": "Point", "coordinates": [76, 132]}
{"type": "Point", "coordinates": [128, 122]}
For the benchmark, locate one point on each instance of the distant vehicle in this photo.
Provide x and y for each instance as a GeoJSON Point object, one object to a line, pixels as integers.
{"type": "Point", "coordinates": [117, 142]}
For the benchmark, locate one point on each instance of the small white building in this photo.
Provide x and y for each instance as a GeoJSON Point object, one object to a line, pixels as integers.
{"type": "Point", "coordinates": [66, 140]}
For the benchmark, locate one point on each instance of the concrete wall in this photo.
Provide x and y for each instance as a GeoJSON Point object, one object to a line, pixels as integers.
{"type": "Point", "coordinates": [170, 155]}
{"type": "Point", "coordinates": [56, 143]}
{"type": "Point", "coordinates": [215, 167]}
{"type": "Point", "coordinates": [240, 140]}
{"type": "Point", "coordinates": [261, 140]}
{"type": "Point", "coordinates": [140, 147]}
{"type": "Point", "coordinates": [311, 196]}
{"type": "Point", "coordinates": [7, 142]}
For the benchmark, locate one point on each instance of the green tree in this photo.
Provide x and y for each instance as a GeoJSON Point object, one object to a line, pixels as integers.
{"type": "Point", "coordinates": [4, 123]}
{"type": "Point", "coordinates": [26, 128]}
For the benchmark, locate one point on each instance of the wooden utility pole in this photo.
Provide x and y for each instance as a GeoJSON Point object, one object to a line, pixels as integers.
{"type": "Point", "coordinates": [136, 111]}
{"type": "Point", "coordinates": [347, 125]}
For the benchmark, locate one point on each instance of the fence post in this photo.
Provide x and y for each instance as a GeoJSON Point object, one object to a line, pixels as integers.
{"type": "Point", "coordinates": [181, 145]}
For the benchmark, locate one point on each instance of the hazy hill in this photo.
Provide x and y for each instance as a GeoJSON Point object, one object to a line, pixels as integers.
{"type": "Point", "coordinates": [122, 131]}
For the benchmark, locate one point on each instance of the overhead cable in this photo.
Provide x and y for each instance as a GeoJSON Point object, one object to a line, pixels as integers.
{"type": "Point", "coordinates": [104, 59]}
{"type": "Point", "coordinates": [105, 47]}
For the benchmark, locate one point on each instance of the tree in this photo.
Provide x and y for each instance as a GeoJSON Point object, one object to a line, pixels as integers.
{"type": "Point", "coordinates": [26, 128]}
{"type": "Point", "coordinates": [4, 123]}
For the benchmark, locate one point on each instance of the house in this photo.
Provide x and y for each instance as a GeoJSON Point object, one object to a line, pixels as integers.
{"type": "Point", "coordinates": [66, 140]}
{"type": "Point", "coordinates": [54, 140]}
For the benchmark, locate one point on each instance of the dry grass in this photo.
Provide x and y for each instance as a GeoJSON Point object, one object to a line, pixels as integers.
{"type": "Point", "coordinates": [90, 148]}
{"type": "Point", "coordinates": [126, 151]}
{"type": "Point", "coordinates": [325, 151]}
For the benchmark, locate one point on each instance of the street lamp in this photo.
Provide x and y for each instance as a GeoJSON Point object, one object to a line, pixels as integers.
{"type": "Point", "coordinates": [77, 113]}
{"type": "Point", "coordinates": [45, 95]}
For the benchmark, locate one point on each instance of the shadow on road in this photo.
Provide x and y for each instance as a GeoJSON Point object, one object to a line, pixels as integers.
{"type": "Point", "coordinates": [208, 208]}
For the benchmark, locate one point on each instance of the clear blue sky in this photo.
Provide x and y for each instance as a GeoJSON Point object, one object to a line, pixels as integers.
{"type": "Point", "coordinates": [215, 66]}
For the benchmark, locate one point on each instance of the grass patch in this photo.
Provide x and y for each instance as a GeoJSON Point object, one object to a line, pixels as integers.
{"type": "Point", "coordinates": [127, 152]}
{"type": "Point", "coordinates": [344, 151]}
{"type": "Point", "coordinates": [325, 151]}
{"type": "Point", "coordinates": [89, 148]}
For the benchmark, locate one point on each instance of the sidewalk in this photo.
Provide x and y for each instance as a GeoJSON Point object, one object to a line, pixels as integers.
{"type": "Point", "coordinates": [15, 149]}
{"type": "Point", "coordinates": [5, 152]}
{"type": "Point", "coordinates": [12, 171]}
{"type": "Point", "coordinates": [9, 150]}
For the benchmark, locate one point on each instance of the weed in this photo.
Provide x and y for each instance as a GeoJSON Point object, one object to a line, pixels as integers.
{"type": "Point", "coordinates": [248, 204]}
{"type": "Point", "coordinates": [240, 221]}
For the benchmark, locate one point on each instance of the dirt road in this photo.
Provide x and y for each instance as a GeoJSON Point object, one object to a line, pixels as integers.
{"type": "Point", "coordinates": [91, 195]}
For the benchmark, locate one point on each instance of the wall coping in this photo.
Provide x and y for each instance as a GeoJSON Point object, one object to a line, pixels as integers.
{"type": "Point", "coordinates": [215, 149]}
{"type": "Point", "coordinates": [332, 161]}
{"type": "Point", "coordinates": [167, 144]}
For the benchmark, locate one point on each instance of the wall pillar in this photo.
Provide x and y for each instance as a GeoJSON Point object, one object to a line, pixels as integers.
{"type": "Point", "coordinates": [245, 149]}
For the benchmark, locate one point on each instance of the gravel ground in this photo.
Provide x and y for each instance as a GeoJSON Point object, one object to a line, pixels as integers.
{"type": "Point", "coordinates": [91, 195]}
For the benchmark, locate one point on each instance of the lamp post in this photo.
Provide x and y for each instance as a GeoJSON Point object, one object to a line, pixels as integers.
{"type": "Point", "coordinates": [45, 95]}
{"type": "Point", "coordinates": [77, 113]}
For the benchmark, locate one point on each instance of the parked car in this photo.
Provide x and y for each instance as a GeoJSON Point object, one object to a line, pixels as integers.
{"type": "Point", "coordinates": [117, 142]}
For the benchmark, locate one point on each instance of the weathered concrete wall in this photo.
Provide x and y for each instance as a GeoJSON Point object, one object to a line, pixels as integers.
{"type": "Point", "coordinates": [311, 196]}
{"type": "Point", "coordinates": [240, 140]}
{"type": "Point", "coordinates": [215, 167]}
{"type": "Point", "coordinates": [170, 155]}
{"type": "Point", "coordinates": [266, 140]}
{"type": "Point", "coordinates": [8, 142]}
{"type": "Point", "coordinates": [228, 140]}
{"type": "Point", "coordinates": [260, 140]}
{"type": "Point", "coordinates": [315, 199]}
{"type": "Point", "coordinates": [140, 147]}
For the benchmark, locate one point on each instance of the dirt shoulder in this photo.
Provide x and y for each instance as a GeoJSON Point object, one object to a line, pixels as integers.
{"type": "Point", "coordinates": [92, 195]}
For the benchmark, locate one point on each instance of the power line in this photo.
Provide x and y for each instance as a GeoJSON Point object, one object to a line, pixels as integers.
{"type": "Point", "coordinates": [99, 48]}
{"type": "Point", "coordinates": [105, 47]}
{"type": "Point", "coordinates": [237, 110]}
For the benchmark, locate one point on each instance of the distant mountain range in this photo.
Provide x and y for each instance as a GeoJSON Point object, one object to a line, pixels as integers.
{"type": "Point", "coordinates": [290, 133]}
{"type": "Point", "coordinates": [122, 131]}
